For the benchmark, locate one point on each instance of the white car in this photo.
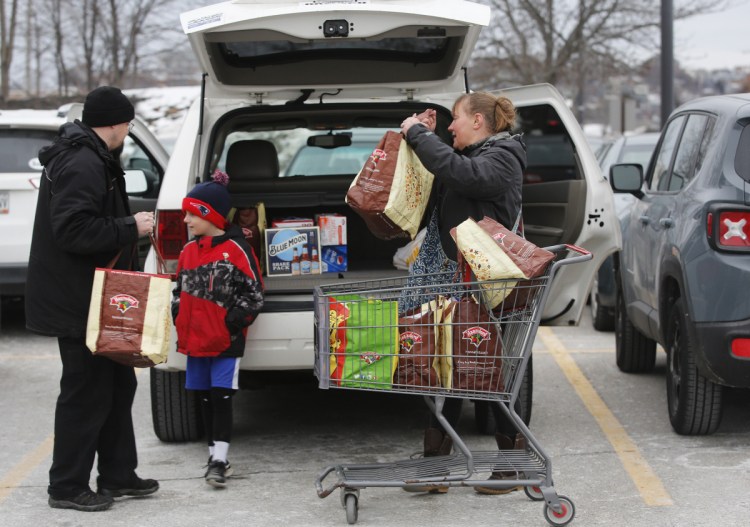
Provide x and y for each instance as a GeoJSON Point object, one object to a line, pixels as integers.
{"type": "Point", "coordinates": [22, 134]}
{"type": "Point", "coordinates": [280, 72]}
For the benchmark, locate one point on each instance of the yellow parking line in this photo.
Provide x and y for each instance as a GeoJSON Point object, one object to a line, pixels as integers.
{"type": "Point", "coordinates": [645, 479]}
{"type": "Point", "coordinates": [24, 467]}
{"type": "Point", "coordinates": [18, 473]}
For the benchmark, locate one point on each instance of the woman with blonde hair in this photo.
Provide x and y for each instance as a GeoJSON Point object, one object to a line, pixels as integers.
{"type": "Point", "coordinates": [479, 175]}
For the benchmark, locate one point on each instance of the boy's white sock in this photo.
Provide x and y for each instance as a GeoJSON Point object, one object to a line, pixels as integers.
{"type": "Point", "coordinates": [220, 451]}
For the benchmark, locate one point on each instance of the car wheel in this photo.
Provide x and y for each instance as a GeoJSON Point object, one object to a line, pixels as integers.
{"type": "Point", "coordinates": [694, 401]}
{"type": "Point", "coordinates": [635, 352]}
{"type": "Point", "coordinates": [175, 410]}
{"type": "Point", "coordinates": [484, 419]}
{"type": "Point", "coordinates": [602, 318]}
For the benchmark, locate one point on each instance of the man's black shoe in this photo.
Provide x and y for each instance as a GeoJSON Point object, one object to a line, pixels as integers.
{"type": "Point", "coordinates": [141, 487]}
{"type": "Point", "coordinates": [86, 501]}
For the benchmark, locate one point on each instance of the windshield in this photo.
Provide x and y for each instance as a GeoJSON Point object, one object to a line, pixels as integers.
{"type": "Point", "coordinates": [20, 148]}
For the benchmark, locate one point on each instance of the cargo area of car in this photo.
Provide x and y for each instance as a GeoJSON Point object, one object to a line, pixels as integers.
{"type": "Point", "coordinates": [300, 159]}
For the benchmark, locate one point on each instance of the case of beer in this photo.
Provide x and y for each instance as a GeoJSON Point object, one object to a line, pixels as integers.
{"type": "Point", "coordinates": [333, 255]}
{"type": "Point", "coordinates": [293, 251]}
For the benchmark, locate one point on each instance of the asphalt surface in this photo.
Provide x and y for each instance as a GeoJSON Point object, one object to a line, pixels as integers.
{"type": "Point", "coordinates": [613, 451]}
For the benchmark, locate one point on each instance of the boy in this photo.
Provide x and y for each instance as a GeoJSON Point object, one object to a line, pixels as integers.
{"type": "Point", "coordinates": [219, 293]}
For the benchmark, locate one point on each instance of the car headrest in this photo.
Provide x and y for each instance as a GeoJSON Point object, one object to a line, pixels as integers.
{"type": "Point", "coordinates": [252, 159]}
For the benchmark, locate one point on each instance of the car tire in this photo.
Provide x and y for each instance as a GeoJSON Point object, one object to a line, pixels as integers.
{"type": "Point", "coordinates": [694, 401]}
{"type": "Point", "coordinates": [484, 419]}
{"type": "Point", "coordinates": [635, 352]}
{"type": "Point", "coordinates": [601, 317]}
{"type": "Point", "coordinates": [175, 410]}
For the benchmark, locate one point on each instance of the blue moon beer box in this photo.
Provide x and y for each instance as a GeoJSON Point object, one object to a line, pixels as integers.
{"type": "Point", "coordinates": [364, 342]}
{"type": "Point", "coordinates": [129, 317]}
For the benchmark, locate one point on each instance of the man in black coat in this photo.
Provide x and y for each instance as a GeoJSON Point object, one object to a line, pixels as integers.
{"type": "Point", "coordinates": [83, 221]}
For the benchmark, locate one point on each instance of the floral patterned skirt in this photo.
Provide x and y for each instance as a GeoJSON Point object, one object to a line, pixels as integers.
{"type": "Point", "coordinates": [432, 267]}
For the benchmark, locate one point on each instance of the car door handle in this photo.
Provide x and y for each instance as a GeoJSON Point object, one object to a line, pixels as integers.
{"type": "Point", "coordinates": [666, 222]}
{"type": "Point", "coordinates": [644, 220]}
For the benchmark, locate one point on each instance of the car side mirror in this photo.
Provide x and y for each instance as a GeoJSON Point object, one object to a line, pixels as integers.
{"type": "Point", "coordinates": [136, 182]}
{"type": "Point", "coordinates": [627, 178]}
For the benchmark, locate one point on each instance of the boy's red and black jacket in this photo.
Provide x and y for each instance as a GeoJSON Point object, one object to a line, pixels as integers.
{"type": "Point", "coordinates": [219, 293]}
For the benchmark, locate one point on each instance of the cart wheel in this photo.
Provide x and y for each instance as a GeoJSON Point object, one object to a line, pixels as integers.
{"type": "Point", "coordinates": [534, 493]}
{"type": "Point", "coordinates": [564, 517]}
{"type": "Point", "coordinates": [351, 509]}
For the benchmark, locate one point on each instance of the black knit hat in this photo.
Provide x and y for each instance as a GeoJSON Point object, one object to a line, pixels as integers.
{"type": "Point", "coordinates": [107, 106]}
{"type": "Point", "coordinates": [210, 200]}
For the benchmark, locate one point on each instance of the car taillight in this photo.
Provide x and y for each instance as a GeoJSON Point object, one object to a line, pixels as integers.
{"type": "Point", "coordinates": [171, 235]}
{"type": "Point", "coordinates": [741, 348]}
{"type": "Point", "coordinates": [729, 229]}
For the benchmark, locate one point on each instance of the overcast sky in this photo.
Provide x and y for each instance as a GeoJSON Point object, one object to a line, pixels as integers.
{"type": "Point", "coordinates": [718, 40]}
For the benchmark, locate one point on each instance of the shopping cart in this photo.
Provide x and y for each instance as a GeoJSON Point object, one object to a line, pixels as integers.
{"type": "Point", "coordinates": [465, 339]}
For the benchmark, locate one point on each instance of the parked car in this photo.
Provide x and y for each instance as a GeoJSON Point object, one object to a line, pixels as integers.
{"type": "Point", "coordinates": [22, 134]}
{"type": "Point", "coordinates": [279, 72]}
{"type": "Point", "coordinates": [685, 261]}
{"type": "Point", "coordinates": [626, 149]}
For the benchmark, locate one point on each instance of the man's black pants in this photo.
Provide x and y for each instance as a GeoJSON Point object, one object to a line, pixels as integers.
{"type": "Point", "coordinates": [93, 416]}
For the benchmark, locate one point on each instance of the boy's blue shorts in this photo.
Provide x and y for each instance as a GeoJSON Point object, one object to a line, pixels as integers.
{"type": "Point", "coordinates": [204, 373]}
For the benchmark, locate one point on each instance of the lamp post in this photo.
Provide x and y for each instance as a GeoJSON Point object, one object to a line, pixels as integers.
{"type": "Point", "coordinates": [667, 61]}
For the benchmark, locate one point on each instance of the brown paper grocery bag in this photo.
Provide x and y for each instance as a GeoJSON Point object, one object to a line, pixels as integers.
{"type": "Point", "coordinates": [392, 190]}
{"type": "Point", "coordinates": [129, 317]}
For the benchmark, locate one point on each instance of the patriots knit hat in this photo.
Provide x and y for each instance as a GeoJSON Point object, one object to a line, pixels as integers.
{"type": "Point", "coordinates": [210, 200]}
{"type": "Point", "coordinates": [107, 106]}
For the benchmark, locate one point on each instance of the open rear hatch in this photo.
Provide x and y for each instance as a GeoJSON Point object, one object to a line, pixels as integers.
{"type": "Point", "coordinates": [363, 48]}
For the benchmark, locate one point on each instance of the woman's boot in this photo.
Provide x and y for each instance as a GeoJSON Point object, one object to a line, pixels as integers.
{"type": "Point", "coordinates": [436, 443]}
{"type": "Point", "coordinates": [504, 443]}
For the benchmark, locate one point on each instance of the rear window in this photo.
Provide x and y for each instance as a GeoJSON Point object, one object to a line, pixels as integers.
{"type": "Point", "coordinates": [742, 157]}
{"type": "Point", "coordinates": [297, 158]}
{"type": "Point", "coordinates": [19, 149]}
{"type": "Point", "coordinates": [550, 153]}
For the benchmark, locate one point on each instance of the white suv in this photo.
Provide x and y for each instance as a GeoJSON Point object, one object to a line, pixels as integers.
{"type": "Point", "coordinates": [22, 134]}
{"type": "Point", "coordinates": [279, 75]}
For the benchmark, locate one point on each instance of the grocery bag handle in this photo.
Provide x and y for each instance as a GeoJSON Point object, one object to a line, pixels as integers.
{"type": "Point", "coordinates": [161, 264]}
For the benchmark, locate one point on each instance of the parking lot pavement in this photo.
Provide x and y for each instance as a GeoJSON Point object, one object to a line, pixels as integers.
{"type": "Point", "coordinates": [613, 451]}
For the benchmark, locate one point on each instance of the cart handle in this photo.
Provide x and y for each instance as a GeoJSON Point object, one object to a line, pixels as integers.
{"type": "Point", "coordinates": [322, 493]}
{"type": "Point", "coordinates": [583, 254]}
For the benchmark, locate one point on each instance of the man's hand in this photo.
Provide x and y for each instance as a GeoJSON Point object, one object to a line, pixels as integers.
{"type": "Point", "coordinates": [144, 221]}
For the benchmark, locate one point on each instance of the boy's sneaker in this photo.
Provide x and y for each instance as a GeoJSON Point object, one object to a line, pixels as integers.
{"type": "Point", "coordinates": [139, 487]}
{"type": "Point", "coordinates": [86, 501]}
{"type": "Point", "coordinates": [216, 475]}
{"type": "Point", "coordinates": [228, 470]}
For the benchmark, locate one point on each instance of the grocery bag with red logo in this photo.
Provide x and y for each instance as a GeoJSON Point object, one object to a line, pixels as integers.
{"type": "Point", "coordinates": [392, 190]}
{"type": "Point", "coordinates": [129, 317]}
{"type": "Point", "coordinates": [363, 342]}
{"type": "Point", "coordinates": [472, 348]}
{"type": "Point", "coordinates": [419, 338]}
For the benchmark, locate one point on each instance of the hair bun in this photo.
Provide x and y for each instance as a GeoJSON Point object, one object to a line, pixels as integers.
{"type": "Point", "coordinates": [222, 178]}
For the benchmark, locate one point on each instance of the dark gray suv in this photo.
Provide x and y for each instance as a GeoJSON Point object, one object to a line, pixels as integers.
{"type": "Point", "coordinates": [684, 270]}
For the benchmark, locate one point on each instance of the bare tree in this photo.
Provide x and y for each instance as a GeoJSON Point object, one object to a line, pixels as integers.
{"type": "Point", "coordinates": [567, 42]}
{"type": "Point", "coordinates": [8, 18]}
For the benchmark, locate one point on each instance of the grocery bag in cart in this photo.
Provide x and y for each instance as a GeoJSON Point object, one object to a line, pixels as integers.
{"type": "Point", "coordinates": [495, 253]}
{"type": "Point", "coordinates": [419, 341]}
{"type": "Point", "coordinates": [472, 348]}
{"type": "Point", "coordinates": [363, 341]}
